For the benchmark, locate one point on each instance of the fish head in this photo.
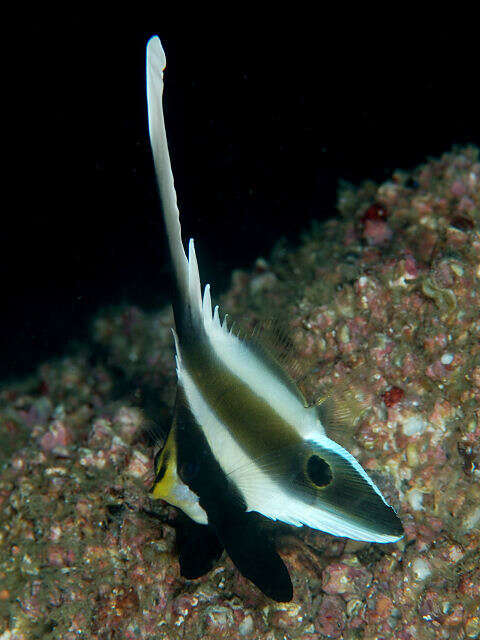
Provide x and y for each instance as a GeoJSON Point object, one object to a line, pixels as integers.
{"type": "Point", "coordinates": [332, 480]}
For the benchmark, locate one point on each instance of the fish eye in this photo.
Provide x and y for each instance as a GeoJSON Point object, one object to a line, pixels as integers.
{"type": "Point", "coordinates": [319, 471]}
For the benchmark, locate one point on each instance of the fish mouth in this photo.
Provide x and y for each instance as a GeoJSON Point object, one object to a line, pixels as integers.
{"type": "Point", "coordinates": [388, 523]}
{"type": "Point", "coordinates": [352, 499]}
{"type": "Point", "coordinates": [371, 517]}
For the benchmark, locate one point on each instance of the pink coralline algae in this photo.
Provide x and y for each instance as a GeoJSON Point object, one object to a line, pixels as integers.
{"type": "Point", "coordinates": [375, 227]}
{"type": "Point", "coordinates": [392, 396]}
{"type": "Point", "coordinates": [57, 438]}
{"type": "Point", "coordinates": [383, 307]}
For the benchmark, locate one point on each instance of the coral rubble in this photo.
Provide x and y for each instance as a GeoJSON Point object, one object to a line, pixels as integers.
{"type": "Point", "coordinates": [383, 303]}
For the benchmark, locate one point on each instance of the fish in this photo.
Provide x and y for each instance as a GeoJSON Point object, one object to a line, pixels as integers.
{"type": "Point", "coordinates": [245, 447]}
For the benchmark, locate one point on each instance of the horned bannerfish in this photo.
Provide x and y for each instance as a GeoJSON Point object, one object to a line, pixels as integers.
{"type": "Point", "coordinates": [244, 445]}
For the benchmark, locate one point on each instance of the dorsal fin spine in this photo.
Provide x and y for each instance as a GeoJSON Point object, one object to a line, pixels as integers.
{"type": "Point", "coordinates": [188, 306]}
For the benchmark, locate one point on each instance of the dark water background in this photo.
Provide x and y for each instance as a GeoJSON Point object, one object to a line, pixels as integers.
{"type": "Point", "coordinates": [261, 128]}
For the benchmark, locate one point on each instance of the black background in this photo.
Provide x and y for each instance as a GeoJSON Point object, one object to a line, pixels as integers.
{"type": "Point", "coordinates": [261, 127]}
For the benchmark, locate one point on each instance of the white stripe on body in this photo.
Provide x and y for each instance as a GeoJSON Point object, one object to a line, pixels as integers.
{"type": "Point", "coordinates": [242, 362]}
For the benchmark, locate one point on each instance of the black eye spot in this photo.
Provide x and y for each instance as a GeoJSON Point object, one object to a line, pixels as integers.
{"type": "Point", "coordinates": [319, 471]}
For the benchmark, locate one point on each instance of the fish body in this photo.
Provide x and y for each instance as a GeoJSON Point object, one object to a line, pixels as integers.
{"type": "Point", "coordinates": [244, 445]}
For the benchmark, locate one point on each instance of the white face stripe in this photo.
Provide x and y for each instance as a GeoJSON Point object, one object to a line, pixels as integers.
{"type": "Point", "coordinates": [260, 492]}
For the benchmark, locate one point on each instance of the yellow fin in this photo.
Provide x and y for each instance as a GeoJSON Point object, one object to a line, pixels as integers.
{"type": "Point", "coordinates": [166, 470]}
{"type": "Point", "coordinates": [168, 485]}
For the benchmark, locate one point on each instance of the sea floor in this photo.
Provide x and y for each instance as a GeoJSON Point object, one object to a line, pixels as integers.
{"type": "Point", "coordinates": [382, 303]}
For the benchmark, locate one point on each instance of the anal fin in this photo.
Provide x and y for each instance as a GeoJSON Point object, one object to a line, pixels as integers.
{"type": "Point", "coordinates": [199, 547]}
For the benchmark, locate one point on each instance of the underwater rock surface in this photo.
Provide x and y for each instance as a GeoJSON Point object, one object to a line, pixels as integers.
{"type": "Point", "coordinates": [383, 302]}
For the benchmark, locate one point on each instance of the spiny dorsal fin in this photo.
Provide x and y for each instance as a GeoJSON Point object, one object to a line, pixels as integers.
{"type": "Point", "coordinates": [187, 308]}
